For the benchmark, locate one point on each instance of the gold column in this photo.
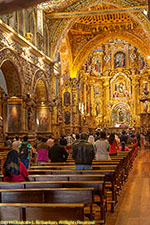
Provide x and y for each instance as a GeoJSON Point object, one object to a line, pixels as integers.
{"type": "Point", "coordinates": [92, 100]}
{"type": "Point", "coordinates": [101, 61]}
{"type": "Point", "coordinates": [135, 97]}
{"type": "Point", "coordinates": [75, 111]}
{"type": "Point", "coordinates": [53, 99]}
{"type": "Point", "coordinates": [106, 100]}
{"type": "Point", "coordinates": [84, 98]}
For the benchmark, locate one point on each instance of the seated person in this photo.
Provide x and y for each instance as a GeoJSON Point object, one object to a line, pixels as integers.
{"type": "Point", "coordinates": [57, 152]}
{"type": "Point", "coordinates": [13, 169]}
{"type": "Point", "coordinates": [113, 145]}
{"type": "Point", "coordinates": [123, 147]}
{"type": "Point", "coordinates": [42, 152]}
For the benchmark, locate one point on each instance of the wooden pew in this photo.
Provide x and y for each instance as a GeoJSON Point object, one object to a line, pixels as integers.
{"type": "Point", "coordinates": [73, 163]}
{"type": "Point", "coordinates": [50, 195]}
{"type": "Point", "coordinates": [110, 178]}
{"type": "Point", "coordinates": [106, 167]}
{"type": "Point", "coordinates": [98, 186]}
{"type": "Point", "coordinates": [41, 211]}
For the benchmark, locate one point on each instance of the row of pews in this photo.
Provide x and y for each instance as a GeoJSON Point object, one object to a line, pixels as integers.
{"type": "Point", "coordinates": [57, 191]}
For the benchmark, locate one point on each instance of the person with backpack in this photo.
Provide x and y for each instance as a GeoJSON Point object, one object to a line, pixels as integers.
{"type": "Point", "coordinates": [24, 152]}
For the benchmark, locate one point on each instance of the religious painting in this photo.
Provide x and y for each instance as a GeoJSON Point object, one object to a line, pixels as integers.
{"type": "Point", "coordinates": [119, 60]}
{"type": "Point", "coordinates": [43, 120]}
{"type": "Point", "coordinates": [67, 117]}
{"type": "Point", "coordinates": [120, 88]}
{"type": "Point", "coordinates": [14, 118]}
{"type": "Point", "coordinates": [66, 98]}
{"type": "Point", "coordinates": [142, 63]}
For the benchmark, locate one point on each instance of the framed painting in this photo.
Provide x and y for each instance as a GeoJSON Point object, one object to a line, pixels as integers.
{"type": "Point", "coordinates": [119, 59]}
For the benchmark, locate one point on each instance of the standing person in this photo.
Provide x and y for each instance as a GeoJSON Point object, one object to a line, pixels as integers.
{"type": "Point", "coordinates": [42, 152]}
{"type": "Point", "coordinates": [83, 153]}
{"type": "Point", "coordinates": [102, 146]}
{"type": "Point", "coordinates": [63, 141]}
{"type": "Point", "coordinates": [16, 143]}
{"type": "Point", "coordinates": [113, 145]}
{"type": "Point", "coordinates": [91, 140]}
{"type": "Point", "coordinates": [50, 141]}
{"type": "Point", "coordinates": [76, 141]}
{"type": "Point", "coordinates": [138, 136]}
{"type": "Point", "coordinates": [124, 137]}
{"type": "Point", "coordinates": [7, 142]}
{"type": "Point", "coordinates": [69, 143]}
{"type": "Point", "coordinates": [13, 169]}
{"type": "Point", "coordinates": [24, 152]}
{"type": "Point", "coordinates": [57, 152]}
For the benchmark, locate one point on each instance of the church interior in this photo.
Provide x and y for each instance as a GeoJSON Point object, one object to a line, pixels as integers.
{"type": "Point", "coordinates": [73, 66]}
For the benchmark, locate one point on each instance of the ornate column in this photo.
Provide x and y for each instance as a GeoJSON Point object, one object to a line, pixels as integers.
{"type": "Point", "coordinates": [75, 110]}
{"type": "Point", "coordinates": [135, 96]}
{"type": "Point", "coordinates": [54, 104]}
{"type": "Point", "coordinates": [101, 61]}
{"type": "Point", "coordinates": [106, 100]}
{"type": "Point", "coordinates": [84, 87]}
{"type": "Point", "coordinates": [1, 118]}
{"type": "Point", "coordinates": [92, 100]}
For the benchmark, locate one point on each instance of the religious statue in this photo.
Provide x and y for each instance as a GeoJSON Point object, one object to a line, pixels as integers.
{"type": "Point", "coordinates": [121, 116]}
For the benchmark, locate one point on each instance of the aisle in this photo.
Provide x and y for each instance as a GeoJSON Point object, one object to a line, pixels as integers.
{"type": "Point", "coordinates": [134, 202]}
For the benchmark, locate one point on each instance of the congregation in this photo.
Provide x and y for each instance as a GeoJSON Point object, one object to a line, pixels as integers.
{"type": "Point", "coordinates": [82, 147]}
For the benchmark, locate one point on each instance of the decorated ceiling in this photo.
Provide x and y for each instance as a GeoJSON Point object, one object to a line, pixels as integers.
{"type": "Point", "coordinates": [72, 5]}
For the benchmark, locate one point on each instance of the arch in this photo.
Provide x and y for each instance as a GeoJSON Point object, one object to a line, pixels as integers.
{"type": "Point", "coordinates": [41, 76]}
{"type": "Point", "coordinates": [12, 69]}
{"type": "Point", "coordinates": [11, 77]}
{"type": "Point", "coordinates": [100, 39]}
{"type": "Point", "coordinates": [121, 113]}
{"type": "Point", "coordinates": [62, 27]}
{"type": "Point", "coordinates": [119, 105]}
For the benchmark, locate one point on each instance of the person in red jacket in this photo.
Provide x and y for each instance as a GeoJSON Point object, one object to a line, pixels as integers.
{"type": "Point", "coordinates": [113, 145]}
{"type": "Point", "coordinates": [13, 169]}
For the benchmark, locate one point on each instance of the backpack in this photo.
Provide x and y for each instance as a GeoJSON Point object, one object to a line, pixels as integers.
{"type": "Point", "coordinates": [23, 151]}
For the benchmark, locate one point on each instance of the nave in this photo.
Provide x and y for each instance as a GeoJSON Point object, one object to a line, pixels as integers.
{"type": "Point", "coordinates": [134, 202]}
